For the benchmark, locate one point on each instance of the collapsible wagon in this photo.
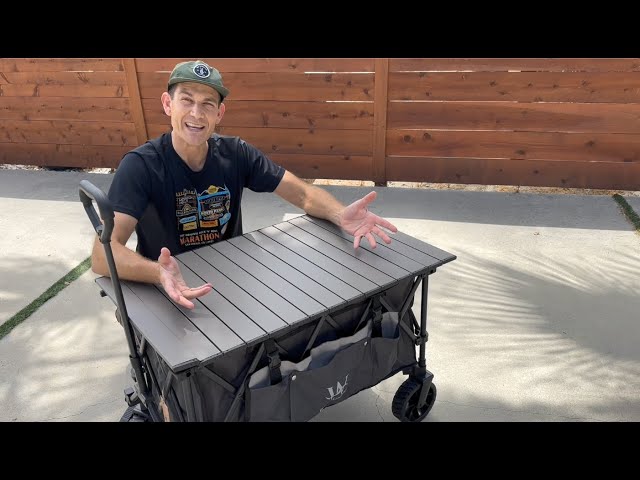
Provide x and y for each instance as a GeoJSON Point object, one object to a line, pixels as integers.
{"type": "Point", "coordinates": [297, 321]}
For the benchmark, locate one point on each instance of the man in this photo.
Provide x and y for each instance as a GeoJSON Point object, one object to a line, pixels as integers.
{"type": "Point", "coordinates": [183, 190]}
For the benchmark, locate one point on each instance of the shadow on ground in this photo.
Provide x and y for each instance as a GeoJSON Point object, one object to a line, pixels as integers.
{"type": "Point", "coordinates": [48, 185]}
{"type": "Point", "coordinates": [495, 208]}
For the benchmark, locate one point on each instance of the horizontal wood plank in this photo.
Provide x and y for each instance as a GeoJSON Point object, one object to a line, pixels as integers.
{"type": "Point", "coordinates": [537, 173]}
{"type": "Point", "coordinates": [295, 65]}
{"type": "Point", "coordinates": [86, 79]}
{"type": "Point", "coordinates": [535, 117]}
{"type": "Point", "coordinates": [521, 64]}
{"type": "Point", "coordinates": [595, 147]}
{"type": "Point", "coordinates": [89, 91]}
{"type": "Point", "coordinates": [285, 140]}
{"type": "Point", "coordinates": [613, 87]}
{"type": "Point", "coordinates": [248, 113]}
{"type": "Point", "coordinates": [288, 140]}
{"type": "Point", "coordinates": [342, 167]}
{"type": "Point", "coordinates": [278, 86]}
{"type": "Point", "coordinates": [49, 154]}
{"type": "Point", "coordinates": [60, 108]}
{"type": "Point", "coordinates": [60, 64]}
{"type": "Point", "coordinates": [62, 132]}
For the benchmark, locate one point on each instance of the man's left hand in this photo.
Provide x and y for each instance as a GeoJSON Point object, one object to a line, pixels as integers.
{"type": "Point", "coordinates": [358, 221]}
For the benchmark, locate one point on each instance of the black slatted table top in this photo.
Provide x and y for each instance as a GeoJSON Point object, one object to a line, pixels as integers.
{"type": "Point", "coordinates": [265, 281]}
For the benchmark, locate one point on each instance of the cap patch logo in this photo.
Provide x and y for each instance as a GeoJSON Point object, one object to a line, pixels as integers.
{"type": "Point", "coordinates": [201, 70]}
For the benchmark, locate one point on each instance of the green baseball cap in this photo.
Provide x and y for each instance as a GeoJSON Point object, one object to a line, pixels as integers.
{"type": "Point", "coordinates": [200, 72]}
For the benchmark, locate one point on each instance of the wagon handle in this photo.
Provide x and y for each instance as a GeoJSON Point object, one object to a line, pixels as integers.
{"type": "Point", "coordinates": [89, 193]}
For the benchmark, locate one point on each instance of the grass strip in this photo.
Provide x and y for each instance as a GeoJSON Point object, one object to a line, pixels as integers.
{"type": "Point", "coordinates": [628, 211]}
{"type": "Point", "coordinates": [51, 292]}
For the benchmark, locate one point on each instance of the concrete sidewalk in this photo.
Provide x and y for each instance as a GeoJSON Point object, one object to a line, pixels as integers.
{"type": "Point", "coordinates": [535, 321]}
{"type": "Point", "coordinates": [46, 232]}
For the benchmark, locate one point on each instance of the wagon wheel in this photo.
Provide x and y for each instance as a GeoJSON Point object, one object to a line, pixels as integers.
{"type": "Point", "coordinates": [405, 401]}
{"type": "Point", "coordinates": [133, 414]}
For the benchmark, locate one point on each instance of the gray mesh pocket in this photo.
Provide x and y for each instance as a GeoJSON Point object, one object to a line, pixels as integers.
{"type": "Point", "coordinates": [384, 349]}
{"type": "Point", "coordinates": [333, 372]}
{"type": "Point", "coordinates": [269, 404]}
{"type": "Point", "coordinates": [348, 372]}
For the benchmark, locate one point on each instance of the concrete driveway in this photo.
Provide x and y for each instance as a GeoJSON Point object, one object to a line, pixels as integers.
{"type": "Point", "coordinates": [536, 320]}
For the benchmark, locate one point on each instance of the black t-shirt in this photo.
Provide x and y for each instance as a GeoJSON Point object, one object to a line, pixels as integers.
{"type": "Point", "coordinates": [181, 209]}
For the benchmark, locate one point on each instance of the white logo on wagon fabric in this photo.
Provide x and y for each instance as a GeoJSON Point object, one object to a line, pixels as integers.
{"type": "Point", "coordinates": [340, 389]}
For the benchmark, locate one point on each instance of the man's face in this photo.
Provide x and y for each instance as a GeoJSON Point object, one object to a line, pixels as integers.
{"type": "Point", "coordinates": [194, 110]}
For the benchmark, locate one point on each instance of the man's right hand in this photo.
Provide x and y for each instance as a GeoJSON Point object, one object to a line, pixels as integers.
{"type": "Point", "coordinates": [173, 283]}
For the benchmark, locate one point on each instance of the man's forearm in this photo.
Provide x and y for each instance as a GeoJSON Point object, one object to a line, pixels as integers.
{"type": "Point", "coordinates": [320, 203]}
{"type": "Point", "coordinates": [129, 264]}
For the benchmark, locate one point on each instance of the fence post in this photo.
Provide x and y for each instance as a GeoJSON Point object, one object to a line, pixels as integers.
{"type": "Point", "coordinates": [380, 121]}
{"type": "Point", "coordinates": [135, 101]}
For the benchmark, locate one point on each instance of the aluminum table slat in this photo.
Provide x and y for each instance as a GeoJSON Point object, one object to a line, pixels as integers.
{"type": "Point", "coordinates": [278, 284]}
{"type": "Point", "coordinates": [331, 282]}
{"type": "Point", "coordinates": [346, 246]}
{"type": "Point", "coordinates": [381, 249]}
{"type": "Point", "coordinates": [356, 281]}
{"type": "Point", "coordinates": [349, 261]}
{"type": "Point", "coordinates": [179, 342]}
{"type": "Point", "coordinates": [237, 322]}
{"type": "Point", "coordinates": [324, 296]}
{"type": "Point", "coordinates": [266, 319]}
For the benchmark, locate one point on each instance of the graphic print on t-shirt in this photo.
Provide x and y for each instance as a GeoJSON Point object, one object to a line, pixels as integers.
{"type": "Point", "coordinates": [202, 217]}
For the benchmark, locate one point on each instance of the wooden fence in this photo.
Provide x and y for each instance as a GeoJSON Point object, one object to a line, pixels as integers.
{"type": "Point", "coordinates": [539, 122]}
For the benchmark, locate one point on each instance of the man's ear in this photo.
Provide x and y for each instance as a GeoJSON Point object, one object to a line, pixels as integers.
{"type": "Point", "coordinates": [166, 103]}
{"type": "Point", "coordinates": [221, 110]}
